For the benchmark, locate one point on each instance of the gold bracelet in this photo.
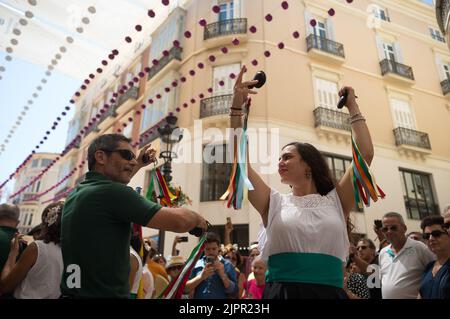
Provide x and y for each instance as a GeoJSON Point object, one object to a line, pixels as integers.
{"type": "Point", "coordinates": [236, 114]}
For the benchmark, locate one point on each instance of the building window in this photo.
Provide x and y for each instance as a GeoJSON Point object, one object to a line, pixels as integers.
{"type": "Point", "coordinates": [436, 34]}
{"type": "Point", "coordinates": [418, 194]}
{"type": "Point", "coordinates": [222, 82]}
{"type": "Point", "coordinates": [320, 29]}
{"type": "Point", "coordinates": [35, 163]}
{"type": "Point", "coordinates": [226, 10]}
{"type": "Point", "coordinates": [216, 172]}
{"type": "Point", "coordinates": [403, 115]}
{"type": "Point", "coordinates": [327, 93]}
{"type": "Point", "coordinates": [338, 166]}
{"type": "Point", "coordinates": [45, 162]}
{"type": "Point", "coordinates": [446, 68]}
{"type": "Point", "coordinates": [380, 13]}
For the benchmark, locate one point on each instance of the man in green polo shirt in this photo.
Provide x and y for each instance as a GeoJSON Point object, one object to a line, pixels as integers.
{"type": "Point", "coordinates": [9, 219]}
{"type": "Point", "coordinates": [97, 217]}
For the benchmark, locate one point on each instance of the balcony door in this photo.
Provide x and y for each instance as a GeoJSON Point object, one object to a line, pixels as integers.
{"type": "Point", "coordinates": [222, 83]}
{"type": "Point", "coordinates": [403, 115]}
{"type": "Point", "coordinates": [226, 10]}
{"type": "Point", "coordinates": [389, 51]}
{"type": "Point", "coordinates": [446, 68]}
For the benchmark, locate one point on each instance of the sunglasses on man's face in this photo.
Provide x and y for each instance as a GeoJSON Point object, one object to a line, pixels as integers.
{"type": "Point", "coordinates": [125, 154]}
{"type": "Point", "coordinates": [392, 229]}
{"type": "Point", "coordinates": [361, 247]}
{"type": "Point", "coordinates": [447, 225]}
{"type": "Point", "coordinates": [434, 233]}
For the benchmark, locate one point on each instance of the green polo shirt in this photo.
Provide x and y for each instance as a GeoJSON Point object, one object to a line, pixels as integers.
{"type": "Point", "coordinates": [95, 236]}
{"type": "Point", "coordinates": [6, 235]}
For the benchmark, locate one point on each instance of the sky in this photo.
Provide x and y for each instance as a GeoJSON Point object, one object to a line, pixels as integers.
{"type": "Point", "coordinates": [21, 78]}
{"type": "Point", "coordinates": [16, 88]}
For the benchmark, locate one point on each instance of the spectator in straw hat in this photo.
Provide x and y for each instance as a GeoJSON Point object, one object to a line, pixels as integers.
{"type": "Point", "coordinates": [175, 266]}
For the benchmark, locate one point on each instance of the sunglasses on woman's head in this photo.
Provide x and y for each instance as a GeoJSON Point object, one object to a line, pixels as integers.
{"type": "Point", "coordinates": [125, 154]}
{"type": "Point", "coordinates": [434, 233]}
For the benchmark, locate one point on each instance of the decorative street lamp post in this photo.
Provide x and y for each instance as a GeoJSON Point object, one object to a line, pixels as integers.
{"type": "Point", "coordinates": [170, 134]}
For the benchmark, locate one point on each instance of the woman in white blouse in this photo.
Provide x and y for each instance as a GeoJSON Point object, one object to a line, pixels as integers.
{"type": "Point", "coordinates": [306, 230]}
{"type": "Point", "coordinates": [37, 273]}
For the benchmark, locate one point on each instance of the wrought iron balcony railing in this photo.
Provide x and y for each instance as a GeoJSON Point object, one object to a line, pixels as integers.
{"type": "Point", "coordinates": [389, 66]}
{"type": "Point", "coordinates": [111, 111]}
{"type": "Point", "coordinates": [216, 105]}
{"type": "Point", "coordinates": [325, 45]}
{"type": "Point", "coordinates": [445, 85]}
{"type": "Point", "coordinates": [442, 13]}
{"type": "Point", "coordinates": [404, 136]}
{"type": "Point", "coordinates": [331, 118]}
{"type": "Point", "coordinates": [174, 54]}
{"type": "Point", "coordinates": [132, 92]}
{"type": "Point", "coordinates": [225, 27]}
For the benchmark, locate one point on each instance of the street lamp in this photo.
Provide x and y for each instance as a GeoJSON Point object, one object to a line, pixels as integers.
{"type": "Point", "coordinates": [170, 134]}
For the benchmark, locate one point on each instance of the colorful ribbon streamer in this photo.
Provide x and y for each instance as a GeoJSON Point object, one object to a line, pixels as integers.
{"type": "Point", "coordinates": [239, 179]}
{"type": "Point", "coordinates": [158, 185]}
{"type": "Point", "coordinates": [176, 288]}
{"type": "Point", "coordinates": [364, 184]}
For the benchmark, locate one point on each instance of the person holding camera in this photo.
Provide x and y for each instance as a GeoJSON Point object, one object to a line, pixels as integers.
{"type": "Point", "coordinates": [213, 277]}
{"type": "Point", "coordinates": [306, 231]}
{"type": "Point", "coordinates": [100, 210]}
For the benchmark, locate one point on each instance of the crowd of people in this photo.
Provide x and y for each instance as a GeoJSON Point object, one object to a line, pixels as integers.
{"type": "Point", "coordinates": [399, 267]}
{"type": "Point", "coordinates": [90, 247]}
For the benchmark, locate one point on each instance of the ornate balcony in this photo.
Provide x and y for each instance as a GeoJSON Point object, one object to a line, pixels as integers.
{"type": "Point", "coordinates": [332, 119]}
{"type": "Point", "coordinates": [442, 14]}
{"type": "Point", "coordinates": [445, 85]}
{"type": "Point", "coordinates": [174, 54]}
{"type": "Point", "coordinates": [225, 27]}
{"type": "Point", "coordinates": [111, 111]}
{"type": "Point", "coordinates": [397, 71]}
{"type": "Point", "coordinates": [325, 48]}
{"type": "Point", "coordinates": [132, 92]}
{"type": "Point", "coordinates": [216, 105]}
{"type": "Point", "coordinates": [408, 138]}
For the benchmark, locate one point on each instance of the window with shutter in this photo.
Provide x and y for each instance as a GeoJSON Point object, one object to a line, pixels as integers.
{"type": "Point", "coordinates": [221, 75]}
{"type": "Point", "coordinates": [403, 115]}
{"type": "Point", "coordinates": [327, 93]}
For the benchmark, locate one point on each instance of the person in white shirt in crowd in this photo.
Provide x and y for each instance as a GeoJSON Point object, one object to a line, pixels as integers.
{"type": "Point", "coordinates": [136, 269]}
{"type": "Point", "coordinates": [37, 273]}
{"type": "Point", "coordinates": [148, 282]}
{"type": "Point", "coordinates": [403, 261]}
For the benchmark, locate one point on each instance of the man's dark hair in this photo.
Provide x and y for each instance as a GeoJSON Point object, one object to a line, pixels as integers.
{"type": "Point", "coordinates": [432, 220]}
{"type": "Point", "coordinates": [104, 142]}
{"type": "Point", "coordinates": [212, 238]}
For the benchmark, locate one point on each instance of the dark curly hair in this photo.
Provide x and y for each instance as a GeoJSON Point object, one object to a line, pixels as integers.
{"type": "Point", "coordinates": [51, 233]}
{"type": "Point", "coordinates": [320, 171]}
